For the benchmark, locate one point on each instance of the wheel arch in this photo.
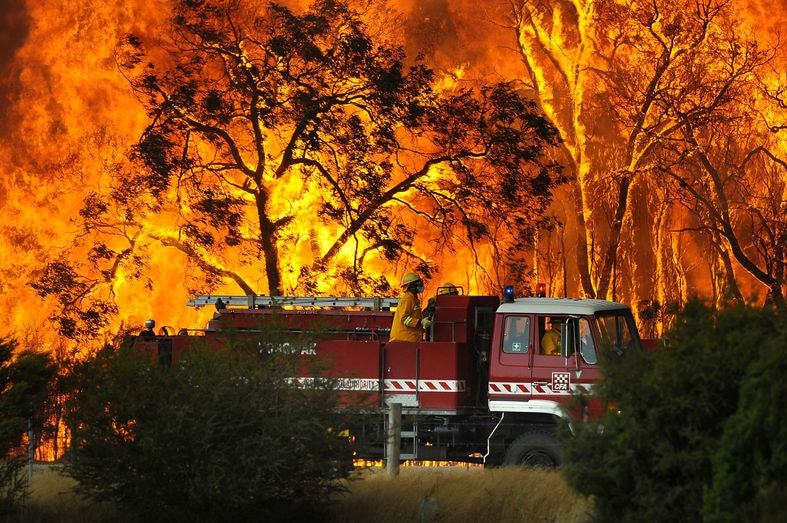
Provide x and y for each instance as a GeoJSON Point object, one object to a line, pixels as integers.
{"type": "Point", "coordinates": [512, 428]}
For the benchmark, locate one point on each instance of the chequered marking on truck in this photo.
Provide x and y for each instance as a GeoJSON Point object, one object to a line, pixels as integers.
{"type": "Point", "coordinates": [560, 385]}
{"type": "Point", "coordinates": [561, 381]}
{"type": "Point", "coordinates": [394, 385]}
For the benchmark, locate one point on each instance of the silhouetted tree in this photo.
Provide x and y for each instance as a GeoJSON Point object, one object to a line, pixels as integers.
{"type": "Point", "coordinates": [24, 381]}
{"type": "Point", "coordinates": [750, 466]}
{"type": "Point", "coordinates": [294, 137]}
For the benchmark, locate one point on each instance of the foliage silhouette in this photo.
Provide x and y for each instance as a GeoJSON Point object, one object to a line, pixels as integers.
{"type": "Point", "coordinates": [215, 436]}
{"type": "Point", "coordinates": [669, 412]}
{"type": "Point", "coordinates": [25, 377]}
{"type": "Point", "coordinates": [254, 108]}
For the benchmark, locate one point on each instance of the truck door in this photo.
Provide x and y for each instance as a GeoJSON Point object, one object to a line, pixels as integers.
{"type": "Point", "coordinates": [551, 379]}
{"type": "Point", "coordinates": [510, 370]}
{"type": "Point", "coordinates": [558, 375]}
{"type": "Point", "coordinates": [401, 372]}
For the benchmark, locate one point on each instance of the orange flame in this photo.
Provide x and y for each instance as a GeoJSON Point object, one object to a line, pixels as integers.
{"type": "Point", "coordinates": [69, 116]}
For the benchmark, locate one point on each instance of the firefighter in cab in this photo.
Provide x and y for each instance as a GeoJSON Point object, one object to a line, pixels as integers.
{"type": "Point", "coordinates": [550, 342]}
{"type": "Point", "coordinates": [409, 320]}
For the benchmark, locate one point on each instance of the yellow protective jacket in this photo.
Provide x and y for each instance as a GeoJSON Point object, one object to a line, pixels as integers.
{"type": "Point", "coordinates": [550, 343]}
{"type": "Point", "coordinates": [407, 319]}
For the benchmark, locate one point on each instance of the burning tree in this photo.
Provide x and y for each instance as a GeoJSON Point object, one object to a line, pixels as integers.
{"type": "Point", "coordinates": [629, 83]}
{"type": "Point", "coordinates": [734, 185]}
{"type": "Point", "coordinates": [306, 141]}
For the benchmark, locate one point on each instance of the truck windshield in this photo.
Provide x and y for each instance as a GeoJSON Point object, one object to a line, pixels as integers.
{"type": "Point", "coordinates": [617, 332]}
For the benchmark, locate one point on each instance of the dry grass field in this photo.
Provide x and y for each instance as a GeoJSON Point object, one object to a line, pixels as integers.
{"type": "Point", "coordinates": [459, 494]}
{"type": "Point", "coordinates": [418, 494]}
{"type": "Point", "coordinates": [52, 499]}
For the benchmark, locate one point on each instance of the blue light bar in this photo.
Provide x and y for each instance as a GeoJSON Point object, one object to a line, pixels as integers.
{"type": "Point", "coordinates": [508, 294]}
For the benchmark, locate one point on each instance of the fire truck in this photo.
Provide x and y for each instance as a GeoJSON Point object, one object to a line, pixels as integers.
{"type": "Point", "coordinates": [482, 387]}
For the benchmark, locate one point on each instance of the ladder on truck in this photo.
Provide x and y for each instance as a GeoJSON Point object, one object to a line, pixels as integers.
{"type": "Point", "coordinates": [252, 301]}
{"type": "Point", "coordinates": [408, 440]}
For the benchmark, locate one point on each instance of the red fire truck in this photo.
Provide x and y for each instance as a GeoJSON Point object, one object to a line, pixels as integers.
{"type": "Point", "coordinates": [480, 388]}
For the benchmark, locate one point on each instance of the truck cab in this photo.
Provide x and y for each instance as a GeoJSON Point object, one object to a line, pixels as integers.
{"type": "Point", "coordinates": [544, 352]}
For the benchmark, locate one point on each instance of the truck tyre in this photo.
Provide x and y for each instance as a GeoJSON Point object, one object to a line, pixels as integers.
{"type": "Point", "coordinates": [535, 449]}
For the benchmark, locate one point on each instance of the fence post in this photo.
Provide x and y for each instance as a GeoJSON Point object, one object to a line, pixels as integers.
{"type": "Point", "coordinates": [394, 438]}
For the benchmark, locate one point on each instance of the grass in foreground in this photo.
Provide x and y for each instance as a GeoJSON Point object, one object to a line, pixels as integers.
{"type": "Point", "coordinates": [52, 499]}
{"type": "Point", "coordinates": [418, 494]}
{"type": "Point", "coordinates": [459, 494]}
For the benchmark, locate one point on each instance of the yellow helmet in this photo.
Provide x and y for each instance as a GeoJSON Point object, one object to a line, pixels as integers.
{"type": "Point", "coordinates": [447, 288]}
{"type": "Point", "coordinates": [409, 278]}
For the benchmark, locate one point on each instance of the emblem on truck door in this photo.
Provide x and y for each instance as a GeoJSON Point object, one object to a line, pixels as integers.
{"type": "Point", "coordinates": [561, 381]}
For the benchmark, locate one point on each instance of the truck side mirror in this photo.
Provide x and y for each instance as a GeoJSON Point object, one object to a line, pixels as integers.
{"type": "Point", "coordinates": [569, 338]}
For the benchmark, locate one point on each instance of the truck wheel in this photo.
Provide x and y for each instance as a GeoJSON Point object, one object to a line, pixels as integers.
{"type": "Point", "coordinates": [534, 449]}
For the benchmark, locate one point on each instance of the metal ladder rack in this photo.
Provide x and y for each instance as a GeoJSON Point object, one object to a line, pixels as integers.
{"type": "Point", "coordinates": [254, 302]}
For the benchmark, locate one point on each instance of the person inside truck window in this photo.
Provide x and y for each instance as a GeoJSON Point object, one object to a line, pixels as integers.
{"type": "Point", "coordinates": [409, 320]}
{"type": "Point", "coordinates": [550, 341]}
{"type": "Point", "coordinates": [516, 335]}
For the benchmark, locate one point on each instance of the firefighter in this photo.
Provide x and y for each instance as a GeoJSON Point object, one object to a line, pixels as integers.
{"type": "Point", "coordinates": [550, 342]}
{"type": "Point", "coordinates": [148, 332]}
{"type": "Point", "coordinates": [446, 288]}
{"type": "Point", "coordinates": [409, 320]}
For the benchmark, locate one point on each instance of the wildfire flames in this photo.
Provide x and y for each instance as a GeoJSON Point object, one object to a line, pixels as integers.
{"type": "Point", "coordinates": [70, 116]}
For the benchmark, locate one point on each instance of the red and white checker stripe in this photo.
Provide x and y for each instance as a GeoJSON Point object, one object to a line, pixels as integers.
{"type": "Point", "coordinates": [393, 386]}
{"type": "Point", "coordinates": [521, 389]}
{"type": "Point", "coordinates": [560, 385]}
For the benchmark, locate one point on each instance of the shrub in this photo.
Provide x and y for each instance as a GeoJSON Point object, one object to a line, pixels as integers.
{"type": "Point", "coordinates": [651, 456]}
{"type": "Point", "coordinates": [24, 379]}
{"type": "Point", "coordinates": [750, 466]}
{"type": "Point", "coordinates": [216, 436]}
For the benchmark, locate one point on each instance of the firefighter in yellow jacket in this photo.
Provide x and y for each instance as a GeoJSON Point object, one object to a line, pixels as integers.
{"type": "Point", "coordinates": [409, 320]}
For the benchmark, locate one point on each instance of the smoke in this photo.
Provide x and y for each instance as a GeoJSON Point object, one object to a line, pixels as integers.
{"type": "Point", "coordinates": [14, 29]}
{"type": "Point", "coordinates": [769, 16]}
{"type": "Point", "coordinates": [469, 34]}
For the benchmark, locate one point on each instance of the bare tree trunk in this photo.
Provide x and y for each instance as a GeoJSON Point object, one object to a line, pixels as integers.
{"type": "Point", "coordinates": [269, 235]}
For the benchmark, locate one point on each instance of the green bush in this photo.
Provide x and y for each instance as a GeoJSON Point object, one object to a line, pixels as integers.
{"type": "Point", "coordinates": [651, 456]}
{"type": "Point", "coordinates": [24, 380]}
{"type": "Point", "coordinates": [750, 479]}
{"type": "Point", "coordinates": [216, 436]}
